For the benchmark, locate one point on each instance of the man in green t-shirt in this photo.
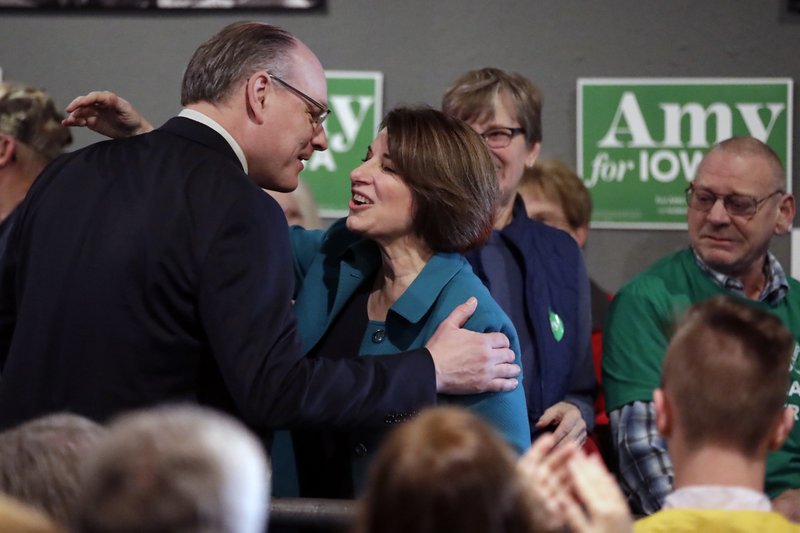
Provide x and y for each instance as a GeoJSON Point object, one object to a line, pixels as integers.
{"type": "Point", "coordinates": [737, 203]}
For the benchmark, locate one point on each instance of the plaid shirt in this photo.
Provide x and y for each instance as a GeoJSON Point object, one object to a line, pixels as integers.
{"type": "Point", "coordinates": [645, 469]}
{"type": "Point", "coordinates": [774, 290]}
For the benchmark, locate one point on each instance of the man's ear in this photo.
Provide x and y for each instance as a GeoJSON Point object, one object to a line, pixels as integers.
{"type": "Point", "coordinates": [8, 149]}
{"type": "Point", "coordinates": [664, 413]}
{"type": "Point", "coordinates": [782, 428]}
{"type": "Point", "coordinates": [786, 212]}
{"type": "Point", "coordinates": [257, 94]}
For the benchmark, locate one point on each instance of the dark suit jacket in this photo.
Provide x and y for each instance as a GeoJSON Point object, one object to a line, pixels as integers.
{"type": "Point", "coordinates": [151, 269]}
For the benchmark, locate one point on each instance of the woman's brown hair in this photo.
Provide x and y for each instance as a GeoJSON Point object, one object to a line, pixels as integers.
{"type": "Point", "coordinates": [450, 173]}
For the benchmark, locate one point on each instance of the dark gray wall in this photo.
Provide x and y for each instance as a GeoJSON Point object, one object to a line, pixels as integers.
{"type": "Point", "coordinates": [421, 46]}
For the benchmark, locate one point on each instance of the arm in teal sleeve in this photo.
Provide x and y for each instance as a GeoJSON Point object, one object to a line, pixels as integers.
{"type": "Point", "coordinates": [305, 247]}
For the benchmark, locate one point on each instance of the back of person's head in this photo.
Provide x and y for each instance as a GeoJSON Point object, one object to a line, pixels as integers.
{"type": "Point", "coordinates": [41, 460]}
{"type": "Point", "coordinates": [450, 173]}
{"type": "Point", "coordinates": [444, 471]}
{"type": "Point", "coordinates": [233, 55]}
{"type": "Point", "coordinates": [178, 470]}
{"type": "Point", "coordinates": [727, 371]}
{"type": "Point", "coordinates": [471, 98]}
{"type": "Point", "coordinates": [16, 517]}
{"type": "Point", "coordinates": [560, 184]}
{"type": "Point", "coordinates": [30, 116]}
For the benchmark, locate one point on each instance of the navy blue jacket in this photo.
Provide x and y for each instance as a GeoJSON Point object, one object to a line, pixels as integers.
{"type": "Point", "coordinates": [556, 283]}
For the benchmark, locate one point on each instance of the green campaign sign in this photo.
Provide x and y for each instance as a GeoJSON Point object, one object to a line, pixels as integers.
{"type": "Point", "coordinates": [640, 141]}
{"type": "Point", "coordinates": [356, 101]}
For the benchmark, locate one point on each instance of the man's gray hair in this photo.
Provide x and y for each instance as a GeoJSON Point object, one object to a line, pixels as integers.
{"type": "Point", "coordinates": [752, 147]}
{"type": "Point", "coordinates": [231, 56]}
{"type": "Point", "coordinates": [176, 469]}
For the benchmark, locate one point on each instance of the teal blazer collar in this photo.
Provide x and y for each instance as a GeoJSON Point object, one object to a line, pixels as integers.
{"type": "Point", "coordinates": [361, 260]}
{"type": "Point", "coordinates": [420, 296]}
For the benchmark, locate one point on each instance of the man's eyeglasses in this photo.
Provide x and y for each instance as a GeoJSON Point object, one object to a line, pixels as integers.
{"type": "Point", "coordinates": [500, 137]}
{"type": "Point", "coordinates": [321, 111]}
{"type": "Point", "coordinates": [737, 205]}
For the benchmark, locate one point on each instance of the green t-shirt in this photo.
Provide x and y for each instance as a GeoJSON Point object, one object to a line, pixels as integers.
{"type": "Point", "coordinates": [640, 324]}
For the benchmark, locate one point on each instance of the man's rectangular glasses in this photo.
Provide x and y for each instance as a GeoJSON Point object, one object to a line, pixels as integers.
{"type": "Point", "coordinates": [322, 111]}
{"type": "Point", "coordinates": [739, 205]}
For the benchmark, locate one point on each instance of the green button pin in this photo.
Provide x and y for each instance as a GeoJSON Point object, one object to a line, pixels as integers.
{"type": "Point", "coordinates": [557, 325]}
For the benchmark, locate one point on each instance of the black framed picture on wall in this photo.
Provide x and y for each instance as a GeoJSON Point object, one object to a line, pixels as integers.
{"type": "Point", "coordinates": [280, 5]}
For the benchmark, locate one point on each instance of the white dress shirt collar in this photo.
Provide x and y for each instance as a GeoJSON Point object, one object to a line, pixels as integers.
{"type": "Point", "coordinates": [718, 497]}
{"type": "Point", "coordinates": [214, 125]}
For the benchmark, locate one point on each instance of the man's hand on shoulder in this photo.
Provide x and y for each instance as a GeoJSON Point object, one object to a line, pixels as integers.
{"type": "Point", "coordinates": [468, 362]}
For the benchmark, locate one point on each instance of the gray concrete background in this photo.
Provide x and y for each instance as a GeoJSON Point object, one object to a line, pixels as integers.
{"type": "Point", "coordinates": [421, 46]}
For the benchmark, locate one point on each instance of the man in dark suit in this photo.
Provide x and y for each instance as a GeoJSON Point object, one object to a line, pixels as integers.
{"type": "Point", "coordinates": [154, 269]}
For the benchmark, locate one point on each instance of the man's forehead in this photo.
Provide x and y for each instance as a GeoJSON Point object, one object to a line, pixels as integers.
{"type": "Point", "coordinates": [306, 70]}
{"type": "Point", "coordinates": [740, 172]}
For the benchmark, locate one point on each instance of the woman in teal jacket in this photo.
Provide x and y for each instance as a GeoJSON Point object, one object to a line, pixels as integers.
{"type": "Point", "coordinates": [381, 280]}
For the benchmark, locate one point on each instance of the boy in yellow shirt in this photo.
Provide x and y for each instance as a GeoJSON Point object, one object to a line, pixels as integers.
{"type": "Point", "coordinates": [721, 409]}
